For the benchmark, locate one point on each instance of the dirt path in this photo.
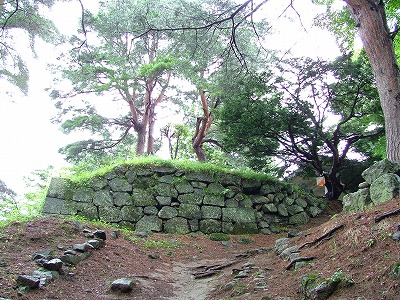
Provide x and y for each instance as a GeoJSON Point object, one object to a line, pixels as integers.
{"type": "Point", "coordinates": [186, 287]}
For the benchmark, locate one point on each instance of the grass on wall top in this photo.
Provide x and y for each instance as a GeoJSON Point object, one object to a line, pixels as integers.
{"type": "Point", "coordinates": [186, 165]}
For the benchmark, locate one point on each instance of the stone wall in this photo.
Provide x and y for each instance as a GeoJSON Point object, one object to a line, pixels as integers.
{"type": "Point", "coordinates": [165, 199]}
{"type": "Point", "coordinates": [382, 183]}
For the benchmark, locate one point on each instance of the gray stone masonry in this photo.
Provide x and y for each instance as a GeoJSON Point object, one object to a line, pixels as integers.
{"type": "Point", "coordinates": [164, 199]}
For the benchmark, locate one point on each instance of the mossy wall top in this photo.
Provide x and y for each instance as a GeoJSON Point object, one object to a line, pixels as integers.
{"type": "Point", "coordinates": [168, 199]}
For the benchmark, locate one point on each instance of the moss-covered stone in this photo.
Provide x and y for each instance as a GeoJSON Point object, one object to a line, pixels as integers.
{"type": "Point", "coordinates": [177, 225]}
{"type": "Point", "coordinates": [211, 212]}
{"type": "Point", "coordinates": [238, 215]}
{"type": "Point", "coordinates": [83, 194]}
{"type": "Point", "coordinates": [120, 184]}
{"type": "Point", "coordinates": [190, 198]}
{"type": "Point", "coordinates": [209, 226]}
{"type": "Point", "coordinates": [143, 198]}
{"type": "Point", "coordinates": [110, 214]}
{"type": "Point", "coordinates": [165, 190]}
{"type": "Point", "coordinates": [189, 211]}
{"type": "Point", "coordinates": [149, 224]}
{"type": "Point", "coordinates": [184, 187]}
{"type": "Point", "coordinates": [103, 198]}
{"type": "Point", "coordinates": [168, 212]}
{"type": "Point", "coordinates": [131, 213]}
{"type": "Point", "coordinates": [122, 198]}
{"type": "Point", "coordinates": [217, 200]}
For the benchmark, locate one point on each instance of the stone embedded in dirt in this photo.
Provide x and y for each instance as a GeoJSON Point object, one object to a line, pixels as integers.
{"type": "Point", "coordinates": [115, 234]}
{"type": "Point", "coordinates": [281, 244]}
{"type": "Point", "coordinates": [124, 285]}
{"type": "Point", "coordinates": [227, 244]}
{"type": "Point", "coordinates": [31, 282]}
{"type": "Point", "coordinates": [72, 252]}
{"type": "Point", "coordinates": [100, 234]}
{"type": "Point", "coordinates": [82, 247]}
{"type": "Point", "coordinates": [74, 259]}
{"type": "Point", "coordinates": [286, 253]}
{"type": "Point", "coordinates": [89, 235]}
{"type": "Point", "coordinates": [43, 254]}
{"type": "Point", "coordinates": [154, 256]}
{"type": "Point", "coordinates": [293, 232]}
{"type": "Point", "coordinates": [243, 274]}
{"type": "Point", "coordinates": [96, 244]}
{"type": "Point", "coordinates": [45, 276]}
{"type": "Point", "coordinates": [78, 226]}
{"type": "Point", "coordinates": [62, 248]}
{"type": "Point", "coordinates": [142, 234]}
{"type": "Point", "coordinates": [53, 264]}
{"type": "Point", "coordinates": [396, 236]}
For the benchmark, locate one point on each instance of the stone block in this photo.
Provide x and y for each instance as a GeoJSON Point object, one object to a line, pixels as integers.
{"type": "Point", "coordinates": [53, 206]}
{"type": "Point", "coordinates": [122, 199]}
{"type": "Point", "coordinates": [238, 215]}
{"type": "Point", "coordinates": [211, 212]}
{"type": "Point", "coordinates": [251, 186]}
{"type": "Point", "coordinates": [384, 188]}
{"type": "Point", "coordinates": [143, 198]}
{"type": "Point", "coordinates": [300, 218]}
{"type": "Point", "coordinates": [217, 200]}
{"type": "Point", "coordinates": [189, 211]}
{"type": "Point", "coordinates": [163, 200]}
{"type": "Point", "coordinates": [177, 225]}
{"type": "Point", "coordinates": [380, 168]}
{"type": "Point", "coordinates": [83, 194]}
{"type": "Point", "coordinates": [184, 187]}
{"type": "Point", "coordinates": [102, 198]}
{"type": "Point", "coordinates": [269, 207]}
{"type": "Point", "coordinates": [149, 223]}
{"type": "Point", "coordinates": [294, 209]}
{"type": "Point", "coordinates": [60, 188]}
{"type": "Point", "coordinates": [131, 213]}
{"type": "Point", "coordinates": [165, 190]}
{"type": "Point", "coordinates": [208, 226]}
{"type": "Point", "coordinates": [168, 212]}
{"type": "Point", "coordinates": [190, 198]}
{"type": "Point", "coordinates": [199, 176]}
{"type": "Point", "coordinates": [120, 185]}
{"type": "Point", "coordinates": [110, 214]}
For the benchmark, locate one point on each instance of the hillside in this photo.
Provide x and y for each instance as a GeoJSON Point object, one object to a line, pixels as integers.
{"type": "Point", "coordinates": [247, 267]}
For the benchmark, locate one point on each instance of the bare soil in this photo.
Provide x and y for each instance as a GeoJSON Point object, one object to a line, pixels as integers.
{"type": "Point", "coordinates": [363, 250]}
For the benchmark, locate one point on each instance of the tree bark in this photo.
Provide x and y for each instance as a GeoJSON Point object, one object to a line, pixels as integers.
{"type": "Point", "coordinates": [370, 19]}
{"type": "Point", "coordinates": [202, 126]}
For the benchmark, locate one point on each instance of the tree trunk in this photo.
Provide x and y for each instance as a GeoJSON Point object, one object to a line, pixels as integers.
{"type": "Point", "coordinates": [370, 18]}
{"type": "Point", "coordinates": [334, 187]}
{"type": "Point", "coordinates": [150, 139]}
{"type": "Point", "coordinates": [202, 126]}
{"type": "Point", "coordinates": [141, 142]}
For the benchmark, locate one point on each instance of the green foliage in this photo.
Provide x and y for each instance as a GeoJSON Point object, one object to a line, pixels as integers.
{"type": "Point", "coordinates": [8, 201]}
{"type": "Point", "coordinates": [217, 236]}
{"type": "Point", "coordinates": [338, 276]}
{"type": "Point", "coordinates": [22, 15]}
{"type": "Point", "coordinates": [395, 270]}
{"type": "Point", "coordinates": [338, 20]}
{"type": "Point", "coordinates": [157, 67]}
{"type": "Point", "coordinates": [245, 240]}
{"type": "Point", "coordinates": [82, 174]}
{"type": "Point", "coordinates": [313, 113]}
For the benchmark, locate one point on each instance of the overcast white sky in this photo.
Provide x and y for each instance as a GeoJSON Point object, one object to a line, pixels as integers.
{"type": "Point", "coordinates": [28, 139]}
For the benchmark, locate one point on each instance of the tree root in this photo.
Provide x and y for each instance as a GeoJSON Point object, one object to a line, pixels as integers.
{"type": "Point", "coordinates": [387, 214]}
{"type": "Point", "coordinates": [294, 261]}
{"type": "Point", "coordinates": [206, 271]}
{"type": "Point", "coordinates": [325, 235]}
